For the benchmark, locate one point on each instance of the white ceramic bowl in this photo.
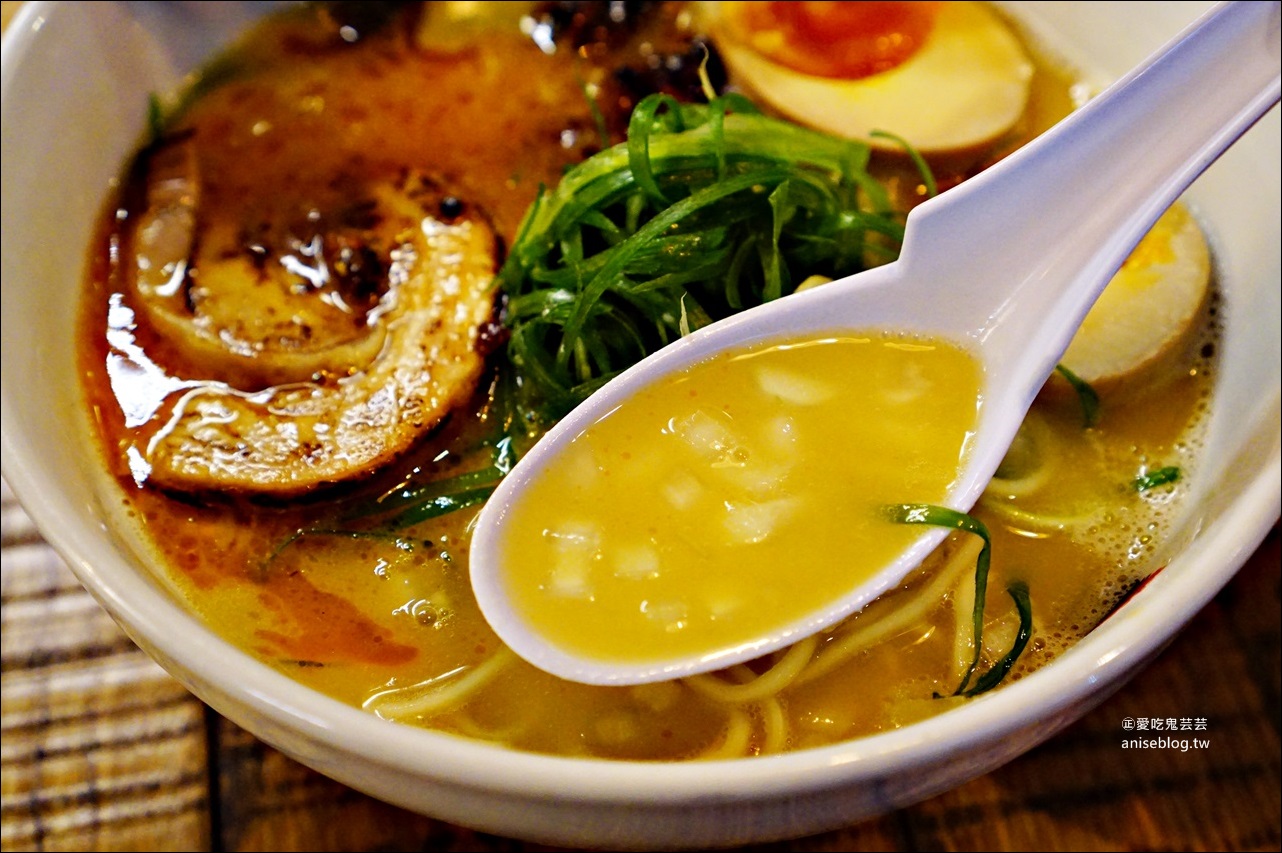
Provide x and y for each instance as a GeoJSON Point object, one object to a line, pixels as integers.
{"type": "Point", "coordinates": [73, 75]}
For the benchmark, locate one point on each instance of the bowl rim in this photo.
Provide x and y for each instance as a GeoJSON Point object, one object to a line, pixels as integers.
{"type": "Point", "coordinates": [269, 703]}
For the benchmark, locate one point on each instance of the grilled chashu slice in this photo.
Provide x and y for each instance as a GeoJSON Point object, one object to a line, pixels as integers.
{"type": "Point", "coordinates": [314, 361]}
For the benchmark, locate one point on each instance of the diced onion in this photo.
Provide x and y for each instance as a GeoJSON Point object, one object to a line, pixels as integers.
{"type": "Point", "coordinates": [748, 523]}
{"type": "Point", "coordinates": [793, 387]}
{"type": "Point", "coordinates": [711, 439]}
{"type": "Point", "coordinates": [683, 491]}
{"type": "Point", "coordinates": [569, 579]}
{"type": "Point", "coordinates": [638, 561]}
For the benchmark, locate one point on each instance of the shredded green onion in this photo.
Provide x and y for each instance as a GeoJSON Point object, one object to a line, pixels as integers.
{"type": "Point", "coordinates": [1018, 592]}
{"type": "Point", "coordinates": [1156, 477]}
{"type": "Point", "coordinates": [704, 210]}
{"type": "Point", "coordinates": [413, 503]}
{"type": "Point", "coordinates": [939, 516]}
{"type": "Point", "coordinates": [598, 117]}
{"type": "Point", "coordinates": [1086, 396]}
{"type": "Point", "coordinates": [155, 119]}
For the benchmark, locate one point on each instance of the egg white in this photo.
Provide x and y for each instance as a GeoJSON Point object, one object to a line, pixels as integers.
{"type": "Point", "coordinates": [1149, 311]}
{"type": "Point", "coordinates": [966, 86]}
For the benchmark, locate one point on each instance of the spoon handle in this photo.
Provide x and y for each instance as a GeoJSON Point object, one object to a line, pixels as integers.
{"type": "Point", "coordinates": [1064, 211]}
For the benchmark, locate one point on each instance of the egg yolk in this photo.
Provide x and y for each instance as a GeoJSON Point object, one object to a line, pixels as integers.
{"type": "Point", "coordinates": [834, 39]}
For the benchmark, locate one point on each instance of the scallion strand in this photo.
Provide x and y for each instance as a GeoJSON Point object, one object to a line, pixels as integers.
{"type": "Point", "coordinates": [938, 516]}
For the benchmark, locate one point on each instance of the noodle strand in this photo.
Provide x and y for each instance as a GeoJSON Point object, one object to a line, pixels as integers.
{"type": "Point", "coordinates": [768, 684]}
{"type": "Point", "coordinates": [865, 635]}
{"type": "Point", "coordinates": [437, 694]}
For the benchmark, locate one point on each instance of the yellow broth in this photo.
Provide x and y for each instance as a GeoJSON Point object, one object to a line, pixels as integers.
{"type": "Point", "coordinates": [389, 623]}
{"type": "Point", "coordinates": [738, 498]}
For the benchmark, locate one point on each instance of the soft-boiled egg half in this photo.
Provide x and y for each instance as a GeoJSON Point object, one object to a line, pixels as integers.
{"type": "Point", "coordinates": [1150, 310]}
{"type": "Point", "coordinates": [942, 76]}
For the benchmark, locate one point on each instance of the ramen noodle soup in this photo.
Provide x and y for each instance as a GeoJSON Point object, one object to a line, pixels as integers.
{"type": "Point", "coordinates": [376, 249]}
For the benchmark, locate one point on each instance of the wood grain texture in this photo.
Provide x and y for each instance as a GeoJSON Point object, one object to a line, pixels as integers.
{"type": "Point", "coordinates": [101, 749]}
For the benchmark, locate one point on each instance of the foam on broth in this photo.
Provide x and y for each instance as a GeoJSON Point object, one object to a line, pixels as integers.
{"type": "Point", "coordinates": [390, 623]}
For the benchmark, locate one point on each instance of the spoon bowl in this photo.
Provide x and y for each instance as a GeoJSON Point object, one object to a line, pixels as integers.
{"type": "Point", "coordinates": [1006, 265]}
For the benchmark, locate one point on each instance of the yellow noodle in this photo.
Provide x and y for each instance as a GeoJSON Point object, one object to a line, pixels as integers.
{"type": "Point", "coordinates": [774, 726]}
{"type": "Point", "coordinates": [768, 684]}
{"type": "Point", "coordinates": [1034, 429]}
{"type": "Point", "coordinates": [999, 634]}
{"type": "Point", "coordinates": [866, 634]}
{"type": "Point", "coordinates": [437, 694]}
{"type": "Point", "coordinates": [740, 673]}
{"type": "Point", "coordinates": [737, 738]}
{"type": "Point", "coordinates": [1036, 520]}
{"type": "Point", "coordinates": [1022, 486]}
{"type": "Point", "coordinates": [463, 723]}
{"type": "Point", "coordinates": [963, 628]}
{"type": "Point", "coordinates": [1001, 492]}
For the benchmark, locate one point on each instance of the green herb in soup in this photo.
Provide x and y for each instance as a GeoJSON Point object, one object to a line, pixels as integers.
{"type": "Point", "coordinates": [365, 261]}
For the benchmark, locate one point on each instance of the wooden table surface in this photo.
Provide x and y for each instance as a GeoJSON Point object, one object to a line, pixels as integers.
{"type": "Point", "coordinates": [101, 750]}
